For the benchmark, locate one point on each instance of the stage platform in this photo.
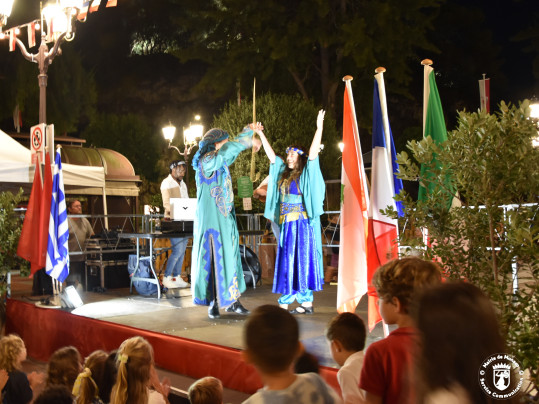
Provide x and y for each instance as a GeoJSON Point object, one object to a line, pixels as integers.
{"type": "Point", "coordinates": [185, 340]}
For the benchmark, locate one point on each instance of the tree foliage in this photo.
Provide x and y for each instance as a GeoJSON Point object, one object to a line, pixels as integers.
{"type": "Point", "coordinates": [10, 232]}
{"type": "Point", "coordinates": [305, 45]}
{"type": "Point", "coordinates": [493, 169]}
{"type": "Point", "coordinates": [287, 119]}
{"type": "Point", "coordinates": [132, 136]}
{"type": "Point", "coordinates": [71, 91]}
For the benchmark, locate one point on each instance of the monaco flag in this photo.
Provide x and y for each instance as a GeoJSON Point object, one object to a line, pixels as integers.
{"type": "Point", "coordinates": [383, 231]}
{"type": "Point", "coordinates": [352, 283]}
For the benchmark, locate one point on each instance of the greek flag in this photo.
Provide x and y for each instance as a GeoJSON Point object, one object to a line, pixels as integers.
{"type": "Point", "coordinates": [57, 249]}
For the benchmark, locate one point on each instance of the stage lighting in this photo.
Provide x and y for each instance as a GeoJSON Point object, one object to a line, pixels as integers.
{"type": "Point", "coordinates": [70, 298]}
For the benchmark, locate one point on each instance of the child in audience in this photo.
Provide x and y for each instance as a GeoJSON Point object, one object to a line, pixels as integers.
{"type": "Point", "coordinates": [64, 367]}
{"type": "Point", "coordinates": [459, 330]}
{"type": "Point", "coordinates": [55, 394]}
{"type": "Point", "coordinates": [136, 373]}
{"type": "Point", "coordinates": [271, 338]}
{"type": "Point", "coordinates": [387, 370]}
{"type": "Point", "coordinates": [307, 363]}
{"type": "Point", "coordinates": [19, 386]}
{"type": "Point", "coordinates": [346, 333]}
{"type": "Point", "coordinates": [90, 386]}
{"type": "Point", "coordinates": [208, 390]}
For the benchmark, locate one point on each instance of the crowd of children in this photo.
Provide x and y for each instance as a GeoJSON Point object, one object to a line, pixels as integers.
{"type": "Point", "coordinates": [443, 333]}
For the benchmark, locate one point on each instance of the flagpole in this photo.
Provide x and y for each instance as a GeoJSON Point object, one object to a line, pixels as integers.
{"type": "Point", "coordinates": [347, 80]}
{"type": "Point", "coordinates": [426, 89]}
{"type": "Point", "coordinates": [253, 167]}
{"type": "Point", "coordinates": [426, 92]}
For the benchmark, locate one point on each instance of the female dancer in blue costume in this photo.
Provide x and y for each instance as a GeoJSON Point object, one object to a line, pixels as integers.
{"type": "Point", "coordinates": [216, 271]}
{"type": "Point", "coordinates": [295, 200]}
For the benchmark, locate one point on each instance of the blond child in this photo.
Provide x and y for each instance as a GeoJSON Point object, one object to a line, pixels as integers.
{"type": "Point", "coordinates": [208, 390]}
{"type": "Point", "coordinates": [271, 339]}
{"type": "Point", "coordinates": [346, 334]}
{"type": "Point", "coordinates": [137, 380]}
{"type": "Point", "coordinates": [19, 386]}
{"type": "Point", "coordinates": [388, 366]}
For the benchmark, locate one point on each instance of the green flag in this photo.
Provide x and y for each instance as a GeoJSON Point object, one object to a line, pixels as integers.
{"type": "Point", "coordinates": [435, 128]}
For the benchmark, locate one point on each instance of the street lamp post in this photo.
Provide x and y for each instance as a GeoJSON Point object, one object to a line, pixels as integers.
{"type": "Point", "coordinates": [190, 136]}
{"type": "Point", "coordinates": [58, 19]}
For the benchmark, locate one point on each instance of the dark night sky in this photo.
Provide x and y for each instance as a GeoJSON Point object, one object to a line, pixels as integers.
{"type": "Point", "coordinates": [504, 17]}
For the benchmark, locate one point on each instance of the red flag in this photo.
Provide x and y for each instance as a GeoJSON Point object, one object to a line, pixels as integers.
{"type": "Point", "coordinates": [34, 235]}
{"type": "Point", "coordinates": [95, 5]}
{"type": "Point", "coordinates": [31, 34]}
{"type": "Point", "coordinates": [84, 10]}
{"type": "Point", "coordinates": [484, 94]}
{"type": "Point", "coordinates": [111, 3]}
{"type": "Point", "coordinates": [352, 283]}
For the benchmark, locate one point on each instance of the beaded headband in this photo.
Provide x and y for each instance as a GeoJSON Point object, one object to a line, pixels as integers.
{"type": "Point", "coordinates": [298, 151]}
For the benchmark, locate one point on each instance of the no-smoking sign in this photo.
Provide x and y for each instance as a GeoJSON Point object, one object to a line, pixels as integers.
{"type": "Point", "coordinates": [37, 142]}
{"type": "Point", "coordinates": [37, 138]}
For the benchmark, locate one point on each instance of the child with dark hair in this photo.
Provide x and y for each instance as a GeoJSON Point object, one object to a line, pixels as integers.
{"type": "Point", "coordinates": [307, 363]}
{"type": "Point", "coordinates": [64, 366]}
{"type": "Point", "coordinates": [55, 394]}
{"type": "Point", "coordinates": [388, 366]}
{"type": "Point", "coordinates": [208, 390]}
{"type": "Point", "coordinates": [459, 331]}
{"type": "Point", "coordinates": [346, 333]}
{"type": "Point", "coordinates": [19, 386]}
{"type": "Point", "coordinates": [91, 386]}
{"type": "Point", "coordinates": [271, 339]}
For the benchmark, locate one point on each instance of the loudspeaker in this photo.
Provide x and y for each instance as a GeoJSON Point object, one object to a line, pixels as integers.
{"type": "Point", "coordinates": [70, 298]}
{"type": "Point", "coordinates": [251, 266]}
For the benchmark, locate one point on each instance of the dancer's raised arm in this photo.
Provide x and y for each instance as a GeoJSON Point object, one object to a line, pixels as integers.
{"type": "Point", "coordinates": [317, 139]}
{"type": "Point", "coordinates": [267, 147]}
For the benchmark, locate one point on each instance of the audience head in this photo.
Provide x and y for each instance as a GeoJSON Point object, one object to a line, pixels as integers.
{"type": "Point", "coordinates": [109, 377]}
{"type": "Point", "coordinates": [208, 390]}
{"type": "Point", "coordinates": [134, 362]}
{"type": "Point", "coordinates": [12, 352]}
{"type": "Point", "coordinates": [88, 384]}
{"type": "Point", "coordinates": [55, 394]}
{"type": "Point", "coordinates": [346, 332]}
{"type": "Point", "coordinates": [271, 338]}
{"type": "Point", "coordinates": [64, 367]}
{"type": "Point", "coordinates": [307, 363]}
{"type": "Point", "coordinates": [403, 278]}
{"type": "Point", "coordinates": [459, 330]}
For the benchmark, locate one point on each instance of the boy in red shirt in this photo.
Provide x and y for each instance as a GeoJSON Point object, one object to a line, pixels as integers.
{"type": "Point", "coordinates": [387, 370]}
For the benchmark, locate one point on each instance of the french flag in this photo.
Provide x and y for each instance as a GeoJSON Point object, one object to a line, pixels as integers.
{"type": "Point", "coordinates": [383, 230]}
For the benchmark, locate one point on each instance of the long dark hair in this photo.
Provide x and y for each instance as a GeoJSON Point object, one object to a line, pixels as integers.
{"type": "Point", "coordinates": [290, 174]}
{"type": "Point", "coordinates": [459, 330]}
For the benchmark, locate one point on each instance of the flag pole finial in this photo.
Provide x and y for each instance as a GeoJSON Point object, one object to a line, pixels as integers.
{"type": "Point", "coordinates": [347, 78]}
{"type": "Point", "coordinates": [380, 70]}
{"type": "Point", "coordinates": [426, 62]}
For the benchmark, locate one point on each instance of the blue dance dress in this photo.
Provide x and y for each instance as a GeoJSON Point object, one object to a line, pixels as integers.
{"type": "Point", "coordinates": [298, 267]}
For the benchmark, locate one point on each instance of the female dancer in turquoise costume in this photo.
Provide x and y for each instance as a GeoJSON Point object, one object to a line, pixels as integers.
{"type": "Point", "coordinates": [216, 271]}
{"type": "Point", "coordinates": [295, 200]}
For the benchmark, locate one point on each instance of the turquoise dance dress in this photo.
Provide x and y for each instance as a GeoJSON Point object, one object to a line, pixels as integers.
{"type": "Point", "coordinates": [215, 232]}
